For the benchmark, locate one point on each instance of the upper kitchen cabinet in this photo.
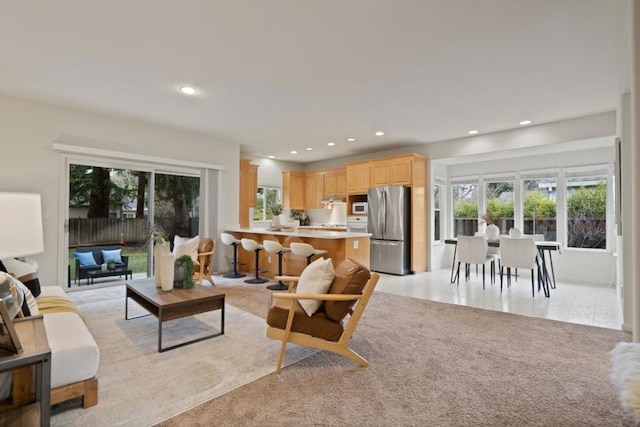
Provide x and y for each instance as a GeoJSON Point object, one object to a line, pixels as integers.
{"type": "Point", "coordinates": [248, 190]}
{"type": "Point", "coordinates": [335, 182]}
{"type": "Point", "coordinates": [293, 190]}
{"type": "Point", "coordinates": [358, 177]}
{"type": "Point", "coordinates": [313, 190]}
{"type": "Point", "coordinates": [392, 171]}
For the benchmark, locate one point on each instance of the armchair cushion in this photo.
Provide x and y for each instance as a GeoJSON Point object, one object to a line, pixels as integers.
{"type": "Point", "coordinates": [317, 325]}
{"type": "Point", "coordinates": [316, 278]}
{"type": "Point", "coordinates": [350, 278]}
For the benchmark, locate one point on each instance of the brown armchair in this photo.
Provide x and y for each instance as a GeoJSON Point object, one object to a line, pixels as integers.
{"type": "Point", "coordinates": [325, 330]}
{"type": "Point", "coordinates": [202, 268]}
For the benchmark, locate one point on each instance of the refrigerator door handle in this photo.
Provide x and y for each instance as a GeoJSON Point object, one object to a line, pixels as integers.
{"type": "Point", "coordinates": [384, 213]}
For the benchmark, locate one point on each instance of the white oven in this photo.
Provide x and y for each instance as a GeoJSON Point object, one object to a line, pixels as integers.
{"type": "Point", "coordinates": [357, 224]}
{"type": "Point", "coordinates": [359, 208]}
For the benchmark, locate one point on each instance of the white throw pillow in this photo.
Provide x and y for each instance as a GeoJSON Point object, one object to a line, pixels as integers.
{"type": "Point", "coordinates": [315, 279]}
{"type": "Point", "coordinates": [31, 301]}
{"type": "Point", "coordinates": [186, 246]}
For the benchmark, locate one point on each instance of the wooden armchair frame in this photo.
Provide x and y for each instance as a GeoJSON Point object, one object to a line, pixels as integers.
{"type": "Point", "coordinates": [342, 345]}
{"type": "Point", "coordinates": [205, 260]}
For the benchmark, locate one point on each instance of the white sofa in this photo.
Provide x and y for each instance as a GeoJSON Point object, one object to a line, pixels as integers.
{"type": "Point", "coordinates": [75, 356]}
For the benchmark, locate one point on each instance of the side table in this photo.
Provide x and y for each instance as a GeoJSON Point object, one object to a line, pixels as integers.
{"type": "Point", "coordinates": [35, 352]}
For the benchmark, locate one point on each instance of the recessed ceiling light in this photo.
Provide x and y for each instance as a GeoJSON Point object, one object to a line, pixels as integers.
{"type": "Point", "coordinates": [188, 90]}
{"type": "Point", "coordinates": [272, 157]}
{"type": "Point", "coordinates": [351, 139]}
{"type": "Point", "coordinates": [379, 133]}
{"type": "Point", "coordinates": [525, 122]}
{"type": "Point", "coordinates": [472, 132]}
{"type": "Point", "coordinates": [294, 152]}
{"type": "Point", "coordinates": [309, 149]}
{"type": "Point", "coordinates": [331, 144]}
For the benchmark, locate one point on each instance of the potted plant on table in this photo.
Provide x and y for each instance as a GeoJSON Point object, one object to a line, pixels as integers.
{"type": "Point", "coordinates": [111, 264]}
{"type": "Point", "coordinates": [183, 274]}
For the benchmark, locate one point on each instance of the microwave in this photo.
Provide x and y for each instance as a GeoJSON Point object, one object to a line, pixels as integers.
{"type": "Point", "coordinates": [359, 208]}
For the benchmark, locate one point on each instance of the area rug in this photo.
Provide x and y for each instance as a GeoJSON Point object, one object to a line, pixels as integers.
{"type": "Point", "coordinates": [140, 387]}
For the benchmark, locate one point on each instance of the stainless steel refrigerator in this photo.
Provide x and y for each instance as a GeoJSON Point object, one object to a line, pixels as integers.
{"type": "Point", "coordinates": [390, 226]}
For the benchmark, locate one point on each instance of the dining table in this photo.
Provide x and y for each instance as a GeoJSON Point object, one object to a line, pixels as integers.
{"type": "Point", "coordinates": [543, 247]}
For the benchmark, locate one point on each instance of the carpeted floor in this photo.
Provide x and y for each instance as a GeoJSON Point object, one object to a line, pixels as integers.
{"type": "Point", "coordinates": [431, 364]}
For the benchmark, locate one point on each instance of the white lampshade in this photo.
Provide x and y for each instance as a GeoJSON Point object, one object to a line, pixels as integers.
{"type": "Point", "coordinates": [20, 225]}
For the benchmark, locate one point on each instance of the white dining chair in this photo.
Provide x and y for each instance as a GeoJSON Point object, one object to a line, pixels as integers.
{"type": "Point", "coordinates": [520, 253]}
{"type": "Point", "coordinates": [473, 250]}
{"type": "Point", "coordinates": [492, 250]}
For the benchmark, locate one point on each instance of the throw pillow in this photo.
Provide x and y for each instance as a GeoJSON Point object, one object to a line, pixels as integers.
{"type": "Point", "coordinates": [86, 259]}
{"type": "Point", "coordinates": [186, 246]}
{"type": "Point", "coordinates": [315, 279]}
{"type": "Point", "coordinates": [29, 300]}
{"type": "Point", "coordinates": [25, 271]}
{"type": "Point", "coordinates": [113, 254]}
{"type": "Point", "coordinates": [12, 295]}
{"type": "Point", "coordinates": [351, 277]}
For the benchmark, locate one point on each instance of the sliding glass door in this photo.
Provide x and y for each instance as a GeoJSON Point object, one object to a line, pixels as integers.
{"type": "Point", "coordinates": [112, 206]}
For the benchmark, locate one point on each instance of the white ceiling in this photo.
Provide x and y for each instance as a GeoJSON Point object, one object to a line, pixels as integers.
{"type": "Point", "coordinates": [282, 75]}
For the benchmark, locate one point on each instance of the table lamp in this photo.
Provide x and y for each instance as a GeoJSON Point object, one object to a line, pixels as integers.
{"type": "Point", "coordinates": [20, 230]}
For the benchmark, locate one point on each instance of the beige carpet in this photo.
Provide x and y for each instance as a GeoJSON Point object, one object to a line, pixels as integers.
{"type": "Point", "coordinates": [139, 386]}
{"type": "Point", "coordinates": [433, 364]}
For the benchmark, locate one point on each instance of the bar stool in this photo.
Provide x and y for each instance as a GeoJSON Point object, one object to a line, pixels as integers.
{"type": "Point", "coordinates": [252, 245]}
{"type": "Point", "coordinates": [230, 240]}
{"type": "Point", "coordinates": [305, 250]}
{"type": "Point", "coordinates": [274, 247]}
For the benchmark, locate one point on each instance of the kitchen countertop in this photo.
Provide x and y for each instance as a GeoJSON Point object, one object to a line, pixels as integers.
{"type": "Point", "coordinates": [302, 233]}
{"type": "Point", "coordinates": [322, 227]}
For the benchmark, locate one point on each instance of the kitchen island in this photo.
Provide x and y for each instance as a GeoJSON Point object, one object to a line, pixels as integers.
{"type": "Point", "coordinates": [339, 245]}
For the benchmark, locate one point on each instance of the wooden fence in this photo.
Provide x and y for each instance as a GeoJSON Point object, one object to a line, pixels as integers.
{"type": "Point", "coordinates": [132, 231]}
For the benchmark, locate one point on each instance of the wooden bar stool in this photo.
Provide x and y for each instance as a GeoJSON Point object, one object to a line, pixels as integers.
{"type": "Point", "coordinates": [306, 250]}
{"type": "Point", "coordinates": [252, 245]}
{"type": "Point", "coordinates": [274, 247]}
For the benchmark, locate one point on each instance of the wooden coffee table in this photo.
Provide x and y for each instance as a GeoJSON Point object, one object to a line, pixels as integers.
{"type": "Point", "coordinates": [173, 305]}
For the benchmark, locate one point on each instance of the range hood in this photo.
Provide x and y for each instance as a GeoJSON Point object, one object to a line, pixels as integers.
{"type": "Point", "coordinates": [332, 199]}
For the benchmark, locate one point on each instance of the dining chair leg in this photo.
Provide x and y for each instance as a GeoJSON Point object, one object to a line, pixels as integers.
{"type": "Point", "coordinates": [501, 274]}
{"type": "Point", "coordinates": [457, 276]}
{"type": "Point", "coordinates": [482, 275]}
{"type": "Point", "coordinates": [508, 277]}
{"type": "Point", "coordinates": [533, 293]}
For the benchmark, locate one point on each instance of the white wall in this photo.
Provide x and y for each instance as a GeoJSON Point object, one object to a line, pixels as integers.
{"type": "Point", "coordinates": [29, 163]}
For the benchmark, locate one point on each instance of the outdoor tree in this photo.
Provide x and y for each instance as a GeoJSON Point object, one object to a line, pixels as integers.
{"type": "Point", "coordinates": [587, 217]}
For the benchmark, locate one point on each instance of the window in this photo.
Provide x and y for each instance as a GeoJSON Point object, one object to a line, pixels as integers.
{"type": "Point", "coordinates": [267, 202]}
{"type": "Point", "coordinates": [437, 223]}
{"type": "Point", "coordinates": [539, 206]}
{"type": "Point", "coordinates": [465, 208]}
{"type": "Point", "coordinates": [587, 209]}
{"type": "Point", "coordinates": [499, 204]}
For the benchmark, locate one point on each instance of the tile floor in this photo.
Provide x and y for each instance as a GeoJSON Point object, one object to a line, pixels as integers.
{"type": "Point", "coordinates": [572, 303]}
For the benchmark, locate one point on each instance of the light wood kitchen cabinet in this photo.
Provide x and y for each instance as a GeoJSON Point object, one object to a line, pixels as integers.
{"type": "Point", "coordinates": [392, 171]}
{"type": "Point", "coordinates": [248, 190]}
{"type": "Point", "coordinates": [335, 182]}
{"type": "Point", "coordinates": [293, 190]}
{"type": "Point", "coordinates": [358, 177]}
{"type": "Point", "coordinates": [313, 190]}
